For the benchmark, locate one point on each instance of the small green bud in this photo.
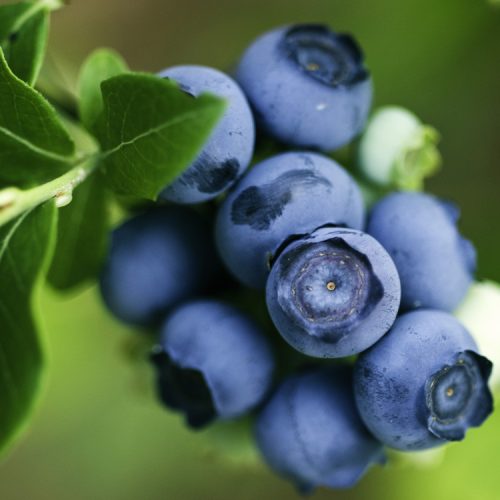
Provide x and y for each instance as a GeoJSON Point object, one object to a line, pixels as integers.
{"type": "Point", "coordinates": [480, 314]}
{"type": "Point", "coordinates": [397, 150]}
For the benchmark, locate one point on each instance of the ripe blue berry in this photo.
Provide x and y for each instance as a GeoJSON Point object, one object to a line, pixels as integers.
{"type": "Point", "coordinates": [311, 433]}
{"type": "Point", "coordinates": [212, 362]}
{"type": "Point", "coordinates": [333, 293]}
{"type": "Point", "coordinates": [155, 260]}
{"type": "Point", "coordinates": [307, 85]}
{"type": "Point", "coordinates": [423, 383]}
{"type": "Point", "coordinates": [435, 264]}
{"type": "Point", "coordinates": [228, 151]}
{"type": "Point", "coordinates": [284, 196]}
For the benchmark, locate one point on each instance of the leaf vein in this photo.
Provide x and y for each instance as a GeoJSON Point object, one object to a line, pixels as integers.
{"type": "Point", "coordinates": [34, 148]}
{"type": "Point", "coordinates": [189, 115]}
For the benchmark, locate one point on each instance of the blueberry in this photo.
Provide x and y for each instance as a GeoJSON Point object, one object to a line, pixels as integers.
{"type": "Point", "coordinates": [284, 196]}
{"type": "Point", "coordinates": [334, 293]}
{"type": "Point", "coordinates": [228, 151]}
{"type": "Point", "coordinates": [423, 383]}
{"type": "Point", "coordinates": [307, 85]}
{"type": "Point", "coordinates": [213, 362]}
{"type": "Point", "coordinates": [310, 431]}
{"type": "Point", "coordinates": [436, 265]}
{"type": "Point", "coordinates": [155, 260]}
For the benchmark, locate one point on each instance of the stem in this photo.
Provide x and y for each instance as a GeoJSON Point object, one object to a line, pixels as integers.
{"type": "Point", "coordinates": [14, 201]}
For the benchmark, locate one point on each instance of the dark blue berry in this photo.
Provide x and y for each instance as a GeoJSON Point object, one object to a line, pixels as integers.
{"type": "Point", "coordinates": [423, 383]}
{"type": "Point", "coordinates": [333, 293]}
{"type": "Point", "coordinates": [310, 431]}
{"type": "Point", "coordinates": [285, 196]}
{"type": "Point", "coordinates": [156, 260]}
{"type": "Point", "coordinates": [212, 362]}
{"type": "Point", "coordinates": [228, 151]}
{"type": "Point", "coordinates": [435, 263]}
{"type": "Point", "coordinates": [307, 85]}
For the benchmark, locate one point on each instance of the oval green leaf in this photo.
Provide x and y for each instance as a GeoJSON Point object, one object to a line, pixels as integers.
{"type": "Point", "coordinates": [25, 249]}
{"type": "Point", "coordinates": [34, 145]}
{"type": "Point", "coordinates": [23, 35]}
{"type": "Point", "coordinates": [101, 65]}
{"type": "Point", "coordinates": [26, 50]}
{"type": "Point", "coordinates": [82, 236]}
{"type": "Point", "coordinates": [11, 18]}
{"type": "Point", "coordinates": [150, 131]}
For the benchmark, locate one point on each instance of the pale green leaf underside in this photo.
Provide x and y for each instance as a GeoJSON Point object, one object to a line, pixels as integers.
{"type": "Point", "coordinates": [25, 249]}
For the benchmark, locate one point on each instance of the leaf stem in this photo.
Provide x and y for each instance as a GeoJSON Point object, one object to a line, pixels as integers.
{"type": "Point", "coordinates": [14, 201]}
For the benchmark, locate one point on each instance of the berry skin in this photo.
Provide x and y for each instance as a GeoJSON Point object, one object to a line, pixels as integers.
{"type": "Point", "coordinates": [307, 86]}
{"type": "Point", "coordinates": [155, 260]}
{"type": "Point", "coordinates": [228, 151]}
{"type": "Point", "coordinates": [284, 196]}
{"type": "Point", "coordinates": [213, 362]}
{"type": "Point", "coordinates": [333, 293]}
{"type": "Point", "coordinates": [436, 265]}
{"type": "Point", "coordinates": [310, 431]}
{"type": "Point", "coordinates": [423, 383]}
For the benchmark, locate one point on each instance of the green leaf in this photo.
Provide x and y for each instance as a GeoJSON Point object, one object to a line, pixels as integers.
{"type": "Point", "coordinates": [11, 18]}
{"type": "Point", "coordinates": [82, 236]}
{"type": "Point", "coordinates": [25, 249]}
{"type": "Point", "coordinates": [14, 15]}
{"type": "Point", "coordinates": [26, 49]}
{"type": "Point", "coordinates": [23, 36]}
{"type": "Point", "coordinates": [34, 145]}
{"type": "Point", "coordinates": [82, 232]}
{"type": "Point", "coordinates": [150, 131]}
{"type": "Point", "coordinates": [99, 66]}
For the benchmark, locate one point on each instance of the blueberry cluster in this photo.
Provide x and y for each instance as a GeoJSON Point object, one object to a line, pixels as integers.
{"type": "Point", "coordinates": [377, 289]}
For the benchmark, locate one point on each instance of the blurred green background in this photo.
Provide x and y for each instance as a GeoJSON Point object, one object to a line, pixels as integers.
{"type": "Point", "coordinates": [98, 433]}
